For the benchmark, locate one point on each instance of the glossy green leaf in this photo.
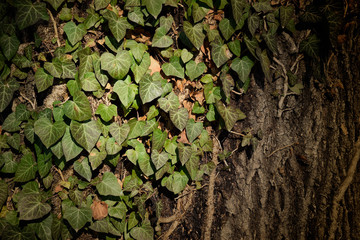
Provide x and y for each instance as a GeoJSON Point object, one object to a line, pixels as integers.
{"type": "Point", "coordinates": [77, 217]}
{"type": "Point", "coordinates": [79, 109]}
{"type": "Point", "coordinates": [229, 114]}
{"type": "Point", "coordinates": [192, 166]}
{"type": "Point", "coordinates": [137, 49]}
{"type": "Point", "coordinates": [43, 228]}
{"type": "Point", "coordinates": [86, 62]}
{"type": "Point", "coordinates": [226, 27]}
{"type": "Point", "coordinates": [154, 7]}
{"type": "Point", "coordinates": [85, 134]}
{"type": "Point", "coordinates": [235, 47]}
{"type": "Point", "coordinates": [139, 70]}
{"type": "Point", "coordinates": [29, 132]}
{"type": "Point", "coordinates": [89, 82]}
{"type": "Point", "coordinates": [149, 127]}
{"type": "Point", "coordinates": [237, 7]}
{"type": "Point", "coordinates": [252, 45]}
{"type": "Point", "coordinates": [211, 93]}
{"type": "Point", "coordinates": [70, 147]}
{"type": "Point", "coordinates": [100, 74]}
{"type": "Point", "coordinates": [120, 133]}
{"type": "Point", "coordinates": [132, 155]}
{"type": "Point", "coordinates": [9, 45]}
{"type": "Point", "coordinates": [160, 39]}
{"type": "Point", "coordinates": [195, 34]}
{"type": "Point", "coordinates": [184, 153]}
{"type": "Point", "coordinates": [262, 6]}
{"type": "Point", "coordinates": [126, 91]}
{"type": "Point", "coordinates": [144, 232]}
{"type": "Point", "coordinates": [117, 66]}
{"type": "Point", "coordinates": [10, 165]}
{"type": "Point", "coordinates": [166, 22]}
{"type": "Point", "coordinates": [253, 23]}
{"type": "Point", "coordinates": [11, 124]}
{"type": "Point", "coordinates": [193, 129]}
{"type": "Point", "coordinates": [74, 32]}
{"type": "Point", "coordinates": [194, 70]}
{"type": "Point", "coordinates": [7, 89]}
{"type": "Point", "coordinates": [96, 157]}
{"type": "Point", "coordinates": [136, 16]}
{"type": "Point", "coordinates": [14, 141]}
{"type": "Point", "coordinates": [198, 12]}
{"type": "Point", "coordinates": [149, 89]}
{"type": "Point", "coordinates": [28, 13]}
{"type": "Point", "coordinates": [144, 160]}
{"type": "Point", "coordinates": [26, 169]}
{"type": "Point", "coordinates": [49, 132]}
{"type": "Point", "coordinates": [186, 55]}
{"type": "Point", "coordinates": [153, 112]}
{"type": "Point", "coordinates": [118, 27]}
{"type": "Point", "coordinates": [82, 167]}
{"type": "Point", "coordinates": [100, 4]}
{"type": "Point", "coordinates": [271, 42]}
{"type": "Point", "coordinates": [173, 68]}
{"type": "Point", "coordinates": [242, 67]}
{"type": "Point", "coordinates": [179, 118]}
{"type": "Point", "coordinates": [170, 102]}
{"type": "Point", "coordinates": [118, 211]}
{"type": "Point", "coordinates": [109, 185]}
{"type": "Point", "coordinates": [32, 207]}
{"type": "Point", "coordinates": [21, 113]}
{"type": "Point", "coordinates": [43, 80]}
{"type": "Point", "coordinates": [158, 139]}
{"type": "Point", "coordinates": [220, 53]}
{"type": "Point", "coordinates": [136, 128]}
{"type": "Point", "coordinates": [159, 159]}
{"type": "Point", "coordinates": [106, 112]}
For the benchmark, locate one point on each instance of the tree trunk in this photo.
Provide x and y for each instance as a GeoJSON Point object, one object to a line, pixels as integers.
{"type": "Point", "coordinates": [290, 186]}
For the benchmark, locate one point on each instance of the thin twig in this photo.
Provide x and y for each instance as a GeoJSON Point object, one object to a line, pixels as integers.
{"type": "Point", "coordinates": [237, 93]}
{"type": "Point", "coordinates": [55, 28]}
{"type": "Point", "coordinates": [297, 60]}
{"type": "Point", "coordinates": [27, 99]}
{"type": "Point", "coordinates": [276, 150]}
{"type": "Point", "coordinates": [236, 133]}
{"type": "Point", "coordinates": [60, 173]}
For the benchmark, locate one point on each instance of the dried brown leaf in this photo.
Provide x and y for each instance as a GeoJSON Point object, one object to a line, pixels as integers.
{"type": "Point", "coordinates": [99, 210]}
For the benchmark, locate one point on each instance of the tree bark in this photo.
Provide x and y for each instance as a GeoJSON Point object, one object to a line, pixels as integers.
{"type": "Point", "coordinates": [296, 183]}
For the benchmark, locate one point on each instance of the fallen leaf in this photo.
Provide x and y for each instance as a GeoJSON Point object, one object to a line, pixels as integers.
{"type": "Point", "coordinates": [58, 188]}
{"type": "Point", "coordinates": [99, 210]}
{"type": "Point", "coordinates": [199, 96]}
{"type": "Point", "coordinates": [154, 66]}
{"type": "Point", "coordinates": [189, 106]}
{"type": "Point", "coordinates": [143, 118]}
{"type": "Point", "coordinates": [183, 138]}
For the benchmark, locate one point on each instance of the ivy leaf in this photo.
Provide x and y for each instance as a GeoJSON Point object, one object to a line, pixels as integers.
{"type": "Point", "coordinates": [242, 67]}
{"type": "Point", "coordinates": [265, 63]}
{"type": "Point", "coordinates": [137, 49]}
{"type": "Point", "coordinates": [145, 232]}
{"type": "Point", "coordinates": [89, 82]}
{"type": "Point", "coordinates": [11, 124]}
{"type": "Point", "coordinates": [270, 40]}
{"type": "Point", "coordinates": [119, 211]}
{"type": "Point", "coordinates": [170, 102]}
{"type": "Point", "coordinates": [106, 112]}
{"type": "Point", "coordinates": [77, 217]}
{"type": "Point", "coordinates": [69, 146]}
{"type": "Point", "coordinates": [166, 22]}
{"type": "Point", "coordinates": [109, 185]}
{"type": "Point", "coordinates": [198, 12]}
{"type": "Point", "coordinates": [237, 9]}
{"type": "Point", "coordinates": [253, 23]}
{"type": "Point", "coordinates": [159, 159]}
{"type": "Point", "coordinates": [126, 91]}
{"type": "Point", "coordinates": [179, 118]}
{"type": "Point", "coordinates": [96, 157]}
{"type": "Point", "coordinates": [154, 7]}
{"type": "Point", "coordinates": [82, 167]}
{"type": "Point", "coordinates": [32, 207]}
{"type": "Point", "coordinates": [118, 27]}
{"type": "Point", "coordinates": [194, 70]}
{"type": "Point", "coordinates": [100, 4]}
{"type": "Point", "coordinates": [230, 114]}
{"type": "Point", "coordinates": [86, 62]}
{"type": "Point", "coordinates": [158, 139]}
{"type": "Point", "coordinates": [192, 166]}
{"type": "Point", "coordinates": [132, 155]}
{"type": "Point", "coordinates": [149, 89]}
{"type": "Point", "coordinates": [262, 6]}
{"type": "Point", "coordinates": [186, 55]}
{"type": "Point", "coordinates": [150, 126]}
{"type": "Point", "coordinates": [136, 16]}
{"type": "Point", "coordinates": [26, 169]}
{"type": "Point", "coordinates": [100, 74]}
{"type": "Point", "coordinates": [136, 128]}
{"type": "Point", "coordinates": [311, 46]}
{"type": "Point", "coordinates": [49, 132]}
{"type": "Point", "coordinates": [7, 89]}
{"type": "Point", "coordinates": [112, 147]}
{"type": "Point", "coordinates": [9, 45]}
{"type": "Point", "coordinates": [176, 182]}
{"type": "Point", "coordinates": [55, 3]}
{"type": "Point", "coordinates": [120, 133]}
{"type": "Point", "coordinates": [10, 165]}
{"type": "Point", "coordinates": [28, 13]}
{"type": "Point", "coordinates": [252, 45]}
{"type": "Point", "coordinates": [86, 134]}
{"type": "Point", "coordinates": [117, 66]}
{"type": "Point", "coordinates": [195, 34]}
{"type": "Point", "coordinates": [79, 109]}
{"type": "Point", "coordinates": [43, 80]}
{"type": "Point", "coordinates": [235, 47]}
{"type": "Point", "coordinates": [193, 129]}
{"type": "Point", "coordinates": [160, 39]}
{"type": "Point", "coordinates": [140, 70]}
{"type": "Point", "coordinates": [3, 192]}
{"type": "Point", "coordinates": [226, 28]}
{"type": "Point", "coordinates": [54, 67]}
{"type": "Point", "coordinates": [144, 160]}
{"type": "Point", "coordinates": [74, 32]}
{"type": "Point", "coordinates": [286, 14]}
{"type": "Point", "coordinates": [43, 228]}
{"type": "Point", "coordinates": [29, 131]}
{"type": "Point", "coordinates": [219, 53]}
{"type": "Point", "coordinates": [173, 68]}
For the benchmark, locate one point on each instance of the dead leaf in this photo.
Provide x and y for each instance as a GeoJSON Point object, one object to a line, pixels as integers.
{"type": "Point", "coordinates": [219, 15]}
{"type": "Point", "coordinates": [154, 66]}
{"type": "Point", "coordinates": [58, 188]}
{"type": "Point", "coordinates": [183, 138]}
{"type": "Point", "coordinates": [99, 210]}
{"type": "Point", "coordinates": [189, 106]}
{"type": "Point", "coordinates": [199, 96]}
{"type": "Point", "coordinates": [344, 129]}
{"type": "Point", "coordinates": [143, 118]}
{"type": "Point", "coordinates": [101, 41]}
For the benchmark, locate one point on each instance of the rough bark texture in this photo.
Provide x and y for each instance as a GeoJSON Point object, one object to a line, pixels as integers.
{"type": "Point", "coordinates": [289, 195]}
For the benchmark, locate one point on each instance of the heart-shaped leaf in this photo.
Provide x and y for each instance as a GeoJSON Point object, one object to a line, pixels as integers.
{"type": "Point", "coordinates": [219, 53]}
{"type": "Point", "coordinates": [173, 68]}
{"type": "Point", "coordinates": [28, 13]}
{"type": "Point", "coordinates": [82, 167]}
{"type": "Point", "coordinates": [9, 45]}
{"type": "Point", "coordinates": [161, 40]}
{"type": "Point", "coordinates": [184, 153]}
{"type": "Point", "coordinates": [32, 207]}
{"type": "Point", "coordinates": [49, 132]}
{"type": "Point", "coordinates": [144, 160]}
{"type": "Point", "coordinates": [235, 47]}
{"type": "Point", "coordinates": [7, 89]}
{"type": "Point", "coordinates": [193, 129]}
{"type": "Point", "coordinates": [286, 14]}
{"type": "Point", "coordinates": [195, 34]}
{"type": "Point", "coordinates": [118, 211]}
{"type": "Point", "coordinates": [90, 83]}
{"type": "Point", "coordinates": [26, 169]}
{"type": "Point", "coordinates": [70, 147]}
{"type": "Point", "coordinates": [106, 112]}
{"type": "Point", "coordinates": [126, 91]}
{"type": "Point", "coordinates": [120, 133]}
{"type": "Point", "coordinates": [112, 147]}
{"type": "Point", "coordinates": [11, 124]}
{"type": "Point", "coordinates": [144, 232]}
{"type": "Point", "coordinates": [118, 27]}
{"type": "Point", "coordinates": [230, 114]}
{"type": "Point", "coordinates": [74, 32]}
{"type": "Point", "coordinates": [77, 217]}
{"type": "Point", "coordinates": [136, 16]}
{"type": "Point", "coordinates": [79, 109]}
{"type": "Point", "coordinates": [3, 192]}
{"type": "Point", "coordinates": [158, 139]}
{"type": "Point", "coordinates": [179, 118]}
{"type": "Point", "coordinates": [54, 67]}
{"type": "Point", "coordinates": [100, 4]}
{"type": "Point", "coordinates": [194, 70]}
{"type": "Point", "coordinates": [166, 22]}
{"type": "Point", "coordinates": [109, 185]}
{"type": "Point", "coordinates": [242, 67]}
{"type": "Point", "coordinates": [96, 157]}
{"type": "Point", "coordinates": [159, 159]}
{"type": "Point", "coordinates": [55, 3]}
{"type": "Point", "coordinates": [226, 27]}
{"type": "Point", "coordinates": [43, 80]}
{"type": "Point", "coordinates": [154, 7]}
{"type": "Point", "coordinates": [186, 55]}
{"type": "Point", "coordinates": [85, 134]}
{"type": "Point", "coordinates": [170, 102]}
{"type": "Point", "coordinates": [140, 69]}
{"type": "Point", "coordinates": [117, 66]}
{"type": "Point", "coordinates": [149, 89]}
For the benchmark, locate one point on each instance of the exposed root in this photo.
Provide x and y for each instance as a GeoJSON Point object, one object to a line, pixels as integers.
{"type": "Point", "coordinates": [181, 208]}
{"type": "Point", "coordinates": [341, 191]}
{"type": "Point", "coordinates": [210, 197]}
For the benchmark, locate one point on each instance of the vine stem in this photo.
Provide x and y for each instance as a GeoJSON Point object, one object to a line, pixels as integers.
{"type": "Point", "coordinates": [55, 28]}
